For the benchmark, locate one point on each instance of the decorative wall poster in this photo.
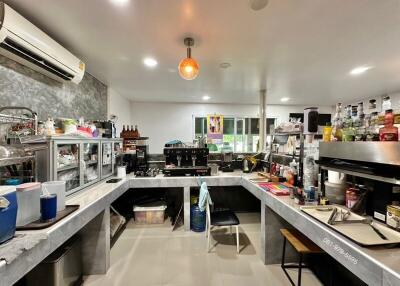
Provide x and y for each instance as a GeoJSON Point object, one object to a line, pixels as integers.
{"type": "Point", "coordinates": [215, 128]}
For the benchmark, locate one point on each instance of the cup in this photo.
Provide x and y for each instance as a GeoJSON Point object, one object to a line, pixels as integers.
{"type": "Point", "coordinates": [48, 207]}
{"type": "Point", "coordinates": [121, 172]}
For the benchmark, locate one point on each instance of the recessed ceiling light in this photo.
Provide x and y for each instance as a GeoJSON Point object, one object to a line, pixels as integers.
{"type": "Point", "coordinates": [257, 5]}
{"type": "Point", "coordinates": [360, 70]}
{"type": "Point", "coordinates": [150, 62]}
{"type": "Point", "coordinates": [225, 65]}
{"type": "Point", "coordinates": [285, 99]}
{"type": "Point", "coordinates": [206, 97]}
{"type": "Point", "coordinates": [119, 2]}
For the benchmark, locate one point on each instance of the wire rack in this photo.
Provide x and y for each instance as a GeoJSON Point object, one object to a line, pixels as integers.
{"type": "Point", "coordinates": [6, 118]}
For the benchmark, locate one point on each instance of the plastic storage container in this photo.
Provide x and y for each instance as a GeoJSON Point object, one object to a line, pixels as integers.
{"type": "Point", "coordinates": [150, 215]}
{"type": "Point", "coordinates": [8, 212]}
{"type": "Point", "coordinates": [28, 196]}
{"type": "Point", "coordinates": [58, 188]}
{"type": "Point", "coordinates": [336, 193]}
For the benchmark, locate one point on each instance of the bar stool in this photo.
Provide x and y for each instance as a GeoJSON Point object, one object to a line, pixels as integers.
{"type": "Point", "coordinates": [303, 246]}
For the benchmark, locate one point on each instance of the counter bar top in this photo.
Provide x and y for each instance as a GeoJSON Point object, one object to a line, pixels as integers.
{"type": "Point", "coordinates": [375, 266]}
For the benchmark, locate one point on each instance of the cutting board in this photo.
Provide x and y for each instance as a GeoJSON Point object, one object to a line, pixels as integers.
{"type": "Point", "coordinates": [360, 233]}
{"type": "Point", "coordinates": [277, 189]}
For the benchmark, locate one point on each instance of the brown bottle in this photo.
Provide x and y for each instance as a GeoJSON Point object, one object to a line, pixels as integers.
{"type": "Point", "coordinates": [132, 132]}
{"type": "Point", "coordinates": [122, 134]}
{"type": "Point", "coordinates": [137, 135]}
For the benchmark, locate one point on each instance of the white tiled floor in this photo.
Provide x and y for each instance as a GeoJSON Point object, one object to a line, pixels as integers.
{"type": "Point", "coordinates": [154, 255]}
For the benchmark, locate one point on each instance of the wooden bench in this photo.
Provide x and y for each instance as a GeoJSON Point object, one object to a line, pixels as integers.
{"type": "Point", "coordinates": [302, 245]}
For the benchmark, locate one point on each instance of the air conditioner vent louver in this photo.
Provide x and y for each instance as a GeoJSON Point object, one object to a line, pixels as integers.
{"type": "Point", "coordinates": [13, 47]}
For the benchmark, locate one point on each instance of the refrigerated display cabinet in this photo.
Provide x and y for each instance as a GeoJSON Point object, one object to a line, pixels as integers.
{"type": "Point", "coordinates": [79, 162]}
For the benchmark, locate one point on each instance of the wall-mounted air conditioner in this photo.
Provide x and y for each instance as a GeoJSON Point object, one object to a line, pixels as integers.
{"type": "Point", "coordinates": [23, 42]}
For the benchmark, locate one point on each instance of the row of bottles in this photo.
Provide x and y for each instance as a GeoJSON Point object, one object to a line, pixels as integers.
{"type": "Point", "coordinates": [130, 133]}
{"type": "Point", "coordinates": [361, 127]}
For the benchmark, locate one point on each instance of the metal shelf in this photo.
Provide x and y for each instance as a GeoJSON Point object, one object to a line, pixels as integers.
{"type": "Point", "coordinates": [15, 160]}
{"type": "Point", "coordinates": [393, 181]}
{"type": "Point", "coordinates": [287, 133]}
{"type": "Point", "coordinates": [68, 167]}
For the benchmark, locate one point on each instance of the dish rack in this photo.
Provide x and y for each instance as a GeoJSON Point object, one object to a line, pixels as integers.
{"type": "Point", "coordinates": [29, 118]}
{"type": "Point", "coordinates": [23, 166]}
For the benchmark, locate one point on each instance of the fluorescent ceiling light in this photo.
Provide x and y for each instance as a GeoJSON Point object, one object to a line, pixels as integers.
{"type": "Point", "coordinates": [119, 2]}
{"type": "Point", "coordinates": [285, 99]}
{"type": "Point", "coordinates": [206, 97]}
{"type": "Point", "coordinates": [360, 70]}
{"type": "Point", "coordinates": [150, 62]}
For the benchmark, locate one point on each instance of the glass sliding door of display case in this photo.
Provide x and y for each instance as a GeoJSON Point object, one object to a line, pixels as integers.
{"type": "Point", "coordinates": [67, 164]}
{"type": "Point", "coordinates": [90, 162]}
{"type": "Point", "coordinates": [107, 159]}
{"type": "Point", "coordinates": [117, 155]}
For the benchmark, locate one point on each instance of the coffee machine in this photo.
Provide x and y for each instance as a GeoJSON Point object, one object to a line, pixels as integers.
{"type": "Point", "coordinates": [186, 161]}
{"type": "Point", "coordinates": [136, 160]}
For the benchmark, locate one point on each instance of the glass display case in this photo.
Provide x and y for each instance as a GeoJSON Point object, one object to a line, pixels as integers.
{"type": "Point", "coordinates": [78, 162]}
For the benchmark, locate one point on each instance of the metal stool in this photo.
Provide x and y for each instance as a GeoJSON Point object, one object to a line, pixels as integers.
{"type": "Point", "coordinates": [303, 246]}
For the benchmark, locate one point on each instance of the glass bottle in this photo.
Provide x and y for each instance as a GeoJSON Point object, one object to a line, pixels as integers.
{"type": "Point", "coordinates": [389, 132]}
{"type": "Point", "coordinates": [359, 124]}
{"type": "Point", "coordinates": [348, 130]}
{"type": "Point", "coordinates": [137, 134]}
{"type": "Point", "coordinates": [122, 134]}
{"type": "Point", "coordinates": [337, 124]}
{"type": "Point", "coordinates": [327, 132]}
{"type": "Point", "coordinates": [373, 128]}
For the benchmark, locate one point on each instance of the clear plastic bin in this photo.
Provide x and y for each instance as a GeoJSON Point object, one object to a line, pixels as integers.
{"type": "Point", "coordinates": [149, 215]}
{"type": "Point", "coordinates": [28, 196]}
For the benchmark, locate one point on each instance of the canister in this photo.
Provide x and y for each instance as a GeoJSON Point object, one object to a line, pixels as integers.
{"type": "Point", "coordinates": [58, 188]}
{"type": "Point", "coordinates": [393, 216]}
{"type": "Point", "coordinates": [28, 196]}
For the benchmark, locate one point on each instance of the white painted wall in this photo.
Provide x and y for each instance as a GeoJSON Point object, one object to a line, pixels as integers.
{"type": "Point", "coordinates": [162, 122]}
{"type": "Point", "coordinates": [119, 106]}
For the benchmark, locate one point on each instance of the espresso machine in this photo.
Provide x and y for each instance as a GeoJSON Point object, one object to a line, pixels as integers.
{"type": "Point", "coordinates": [186, 161]}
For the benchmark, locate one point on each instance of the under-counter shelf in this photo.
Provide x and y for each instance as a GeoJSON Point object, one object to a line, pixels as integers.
{"type": "Point", "coordinates": [393, 181]}
{"type": "Point", "coordinates": [67, 167]}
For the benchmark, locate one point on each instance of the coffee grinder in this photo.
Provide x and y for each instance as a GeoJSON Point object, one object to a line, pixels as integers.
{"type": "Point", "coordinates": [227, 158]}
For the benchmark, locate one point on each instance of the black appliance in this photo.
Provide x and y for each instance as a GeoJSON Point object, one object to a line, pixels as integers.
{"type": "Point", "coordinates": [142, 152]}
{"type": "Point", "coordinates": [107, 127]}
{"type": "Point", "coordinates": [186, 161]}
{"type": "Point", "coordinates": [137, 161]}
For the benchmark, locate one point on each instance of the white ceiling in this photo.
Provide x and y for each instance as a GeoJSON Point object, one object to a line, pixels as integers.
{"type": "Point", "coordinates": [302, 49]}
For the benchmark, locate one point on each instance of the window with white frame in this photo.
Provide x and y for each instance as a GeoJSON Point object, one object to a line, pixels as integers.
{"type": "Point", "coordinates": [241, 134]}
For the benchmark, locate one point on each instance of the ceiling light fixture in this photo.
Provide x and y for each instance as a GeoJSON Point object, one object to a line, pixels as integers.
{"type": "Point", "coordinates": [120, 2]}
{"type": "Point", "coordinates": [225, 65]}
{"type": "Point", "coordinates": [150, 62]}
{"type": "Point", "coordinates": [285, 99]}
{"type": "Point", "coordinates": [206, 97]}
{"type": "Point", "coordinates": [360, 70]}
{"type": "Point", "coordinates": [257, 5]}
{"type": "Point", "coordinates": [188, 67]}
